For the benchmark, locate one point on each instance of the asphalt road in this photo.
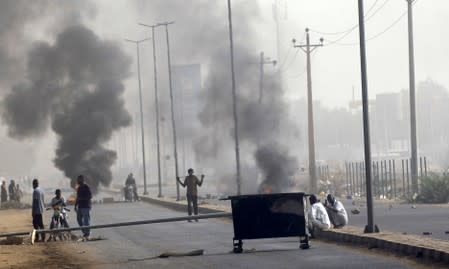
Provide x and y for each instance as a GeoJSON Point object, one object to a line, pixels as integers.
{"type": "Point", "coordinates": [215, 237]}
{"type": "Point", "coordinates": [403, 218]}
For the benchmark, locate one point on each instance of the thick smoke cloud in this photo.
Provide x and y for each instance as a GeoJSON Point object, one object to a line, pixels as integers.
{"type": "Point", "coordinates": [204, 39]}
{"type": "Point", "coordinates": [75, 86]}
{"type": "Point", "coordinates": [20, 19]}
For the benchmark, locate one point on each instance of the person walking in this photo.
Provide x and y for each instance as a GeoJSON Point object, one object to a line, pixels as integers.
{"type": "Point", "coordinates": [191, 182]}
{"type": "Point", "coordinates": [83, 206]}
{"type": "Point", "coordinates": [336, 211]}
{"type": "Point", "coordinates": [37, 209]}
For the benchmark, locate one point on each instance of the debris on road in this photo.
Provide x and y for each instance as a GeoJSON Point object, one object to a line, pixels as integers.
{"type": "Point", "coordinates": [197, 252]}
{"type": "Point", "coordinates": [355, 211]}
{"type": "Point", "coordinates": [12, 240]}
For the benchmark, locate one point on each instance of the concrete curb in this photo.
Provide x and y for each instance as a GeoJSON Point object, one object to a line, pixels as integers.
{"type": "Point", "coordinates": [421, 253]}
{"type": "Point", "coordinates": [179, 206]}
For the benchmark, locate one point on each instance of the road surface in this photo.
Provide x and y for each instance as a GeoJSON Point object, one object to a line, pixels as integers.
{"type": "Point", "coordinates": [215, 237]}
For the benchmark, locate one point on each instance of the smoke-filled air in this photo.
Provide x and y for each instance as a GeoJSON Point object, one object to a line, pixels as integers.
{"type": "Point", "coordinates": [74, 86]}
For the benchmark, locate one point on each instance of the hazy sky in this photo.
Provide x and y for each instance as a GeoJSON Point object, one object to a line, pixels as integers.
{"type": "Point", "coordinates": [335, 68]}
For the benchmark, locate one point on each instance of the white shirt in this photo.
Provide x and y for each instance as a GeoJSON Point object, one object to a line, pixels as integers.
{"type": "Point", "coordinates": [341, 217]}
{"type": "Point", "coordinates": [319, 214]}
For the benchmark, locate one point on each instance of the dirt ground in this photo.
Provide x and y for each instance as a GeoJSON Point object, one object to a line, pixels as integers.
{"type": "Point", "coordinates": [47, 255]}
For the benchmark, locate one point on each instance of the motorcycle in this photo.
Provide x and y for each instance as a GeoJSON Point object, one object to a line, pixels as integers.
{"type": "Point", "coordinates": [59, 220]}
{"type": "Point", "coordinates": [129, 191]}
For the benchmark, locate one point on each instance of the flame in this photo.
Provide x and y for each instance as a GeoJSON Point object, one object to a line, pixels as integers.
{"type": "Point", "coordinates": [267, 190]}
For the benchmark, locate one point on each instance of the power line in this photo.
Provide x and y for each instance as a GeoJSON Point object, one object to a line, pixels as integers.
{"type": "Point", "coordinates": [374, 36]}
{"type": "Point", "coordinates": [298, 75]}
{"type": "Point", "coordinates": [336, 42]}
{"type": "Point", "coordinates": [354, 26]}
{"type": "Point", "coordinates": [285, 58]}
{"type": "Point", "coordinates": [291, 62]}
{"type": "Point", "coordinates": [293, 59]}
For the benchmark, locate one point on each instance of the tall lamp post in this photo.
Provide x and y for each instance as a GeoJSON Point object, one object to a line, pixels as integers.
{"type": "Point", "coordinates": [370, 227]}
{"type": "Point", "coordinates": [175, 147]}
{"type": "Point", "coordinates": [234, 102]}
{"type": "Point", "coordinates": [156, 107]}
{"type": "Point", "coordinates": [137, 42]}
{"type": "Point", "coordinates": [413, 142]}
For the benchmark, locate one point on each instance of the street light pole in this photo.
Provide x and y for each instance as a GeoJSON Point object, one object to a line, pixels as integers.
{"type": "Point", "coordinates": [156, 107]}
{"type": "Point", "coordinates": [234, 102]}
{"type": "Point", "coordinates": [172, 109]}
{"type": "Point", "coordinates": [145, 192]}
{"type": "Point", "coordinates": [370, 227]}
{"type": "Point", "coordinates": [308, 48]}
{"type": "Point", "coordinates": [413, 140]}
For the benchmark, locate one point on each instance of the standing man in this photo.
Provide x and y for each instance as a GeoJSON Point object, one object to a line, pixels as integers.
{"type": "Point", "coordinates": [38, 209]}
{"type": "Point", "coordinates": [83, 205]}
{"type": "Point", "coordinates": [12, 190]}
{"type": "Point", "coordinates": [191, 181]}
{"type": "Point", "coordinates": [19, 193]}
{"type": "Point", "coordinates": [318, 218]}
{"type": "Point", "coordinates": [4, 193]}
{"type": "Point", "coordinates": [336, 211]}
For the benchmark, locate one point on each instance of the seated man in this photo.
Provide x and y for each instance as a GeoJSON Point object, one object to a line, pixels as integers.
{"type": "Point", "coordinates": [336, 211]}
{"type": "Point", "coordinates": [318, 218]}
{"type": "Point", "coordinates": [58, 203]}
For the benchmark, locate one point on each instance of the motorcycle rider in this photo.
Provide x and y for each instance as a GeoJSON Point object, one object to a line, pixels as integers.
{"type": "Point", "coordinates": [130, 181]}
{"type": "Point", "coordinates": [58, 203]}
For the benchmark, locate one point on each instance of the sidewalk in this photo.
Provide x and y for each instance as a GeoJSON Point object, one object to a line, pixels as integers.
{"type": "Point", "coordinates": [422, 248]}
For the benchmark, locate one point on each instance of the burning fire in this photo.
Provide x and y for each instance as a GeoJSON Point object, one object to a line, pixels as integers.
{"type": "Point", "coordinates": [267, 190]}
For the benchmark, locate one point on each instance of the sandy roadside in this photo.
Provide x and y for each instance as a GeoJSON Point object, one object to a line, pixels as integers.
{"type": "Point", "coordinates": [40, 255]}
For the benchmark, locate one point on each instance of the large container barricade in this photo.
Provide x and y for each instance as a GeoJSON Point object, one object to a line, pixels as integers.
{"type": "Point", "coordinates": [269, 216]}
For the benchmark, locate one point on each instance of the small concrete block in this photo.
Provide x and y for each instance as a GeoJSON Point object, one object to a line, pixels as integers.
{"type": "Point", "coordinates": [108, 200]}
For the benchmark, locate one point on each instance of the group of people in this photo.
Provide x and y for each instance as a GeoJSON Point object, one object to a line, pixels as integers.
{"type": "Point", "coordinates": [15, 193]}
{"type": "Point", "coordinates": [325, 216]}
{"type": "Point", "coordinates": [83, 206]}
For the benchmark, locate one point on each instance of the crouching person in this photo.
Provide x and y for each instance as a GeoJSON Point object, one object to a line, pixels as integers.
{"type": "Point", "coordinates": [318, 218]}
{"type": "Point", "coordinates": [336, 211]}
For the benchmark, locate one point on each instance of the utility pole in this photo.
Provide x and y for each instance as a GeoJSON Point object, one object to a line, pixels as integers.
{"type": "Point", "coordinates": [308, 48]}
{"type": "Point", "coordinates": [262, 62]}
{"type": "Point", "coordinates": [156, 106]}
{"type": "Point", "coordinates": [172, 108]}
{"type": "Point", "coordinates": [413, 140]}
{"type": "Point", "coordinates": [145, 192]}
{"type": "Point", "coordinates": [370, 227]}
{"type": "Point", "coordinates": [234, 101]}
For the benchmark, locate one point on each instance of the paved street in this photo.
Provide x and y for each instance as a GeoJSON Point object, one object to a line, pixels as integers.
{"type": "Point", "coordinates": [215, 237]}
{"type": "Point", "coordinates": [405, 219]}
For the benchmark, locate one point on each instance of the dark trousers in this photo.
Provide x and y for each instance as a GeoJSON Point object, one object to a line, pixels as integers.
{"type": "Point", "coordinates": [192, 200]}
{"type": "Point", "coordinates": [38, 224]}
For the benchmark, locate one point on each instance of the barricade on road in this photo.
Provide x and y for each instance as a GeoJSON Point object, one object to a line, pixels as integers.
{"type": "Point", "coordinates": [269, 216]}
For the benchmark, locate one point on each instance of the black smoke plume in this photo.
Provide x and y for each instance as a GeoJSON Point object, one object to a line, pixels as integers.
{"type": "Point", "coordinates": [74, 85]}
{"type": "Point", "coordinates": [205, 39]}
